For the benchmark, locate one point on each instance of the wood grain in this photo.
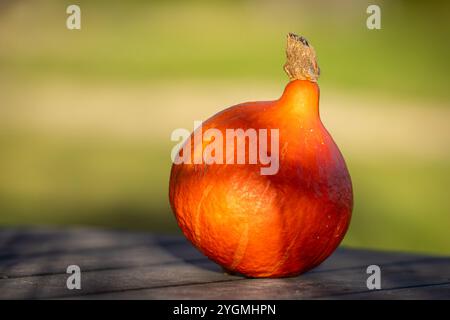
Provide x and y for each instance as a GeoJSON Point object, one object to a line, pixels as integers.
{"type": "Point", "coordinates": [127, 265]}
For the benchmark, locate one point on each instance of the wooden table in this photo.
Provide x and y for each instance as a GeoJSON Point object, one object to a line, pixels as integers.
{"type": "Point", "coordinates": [129, 265]}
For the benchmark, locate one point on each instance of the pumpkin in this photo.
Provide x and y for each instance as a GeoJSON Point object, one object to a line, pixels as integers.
{"type": "Point", "coordinates": [267, 225]}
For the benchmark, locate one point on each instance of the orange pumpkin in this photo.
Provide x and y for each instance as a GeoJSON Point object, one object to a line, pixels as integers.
{"type": "Point", "coordinates": [269, 225]}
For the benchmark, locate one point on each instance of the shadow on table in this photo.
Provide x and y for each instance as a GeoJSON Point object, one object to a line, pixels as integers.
{"type": "Point", "coordinates": [182, 250]}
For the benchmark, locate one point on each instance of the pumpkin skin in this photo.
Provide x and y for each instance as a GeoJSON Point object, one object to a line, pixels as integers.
{"type": "Point", "coordinates": [268, 225]}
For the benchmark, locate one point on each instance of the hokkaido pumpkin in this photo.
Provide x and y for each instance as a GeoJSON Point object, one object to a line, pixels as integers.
{"type": "Point", "coordinates": [268, 225]}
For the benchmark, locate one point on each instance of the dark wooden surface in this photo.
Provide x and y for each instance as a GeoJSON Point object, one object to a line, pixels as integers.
{"type": "Point", "coordinates": [125, 265]}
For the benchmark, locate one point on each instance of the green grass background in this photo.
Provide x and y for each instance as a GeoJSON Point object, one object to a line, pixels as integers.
{"type": "Point", "coordinates": [71, 154]}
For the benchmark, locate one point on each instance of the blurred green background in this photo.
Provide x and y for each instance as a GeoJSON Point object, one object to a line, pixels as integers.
{"type": "Point", "coordinates": [86, 116]}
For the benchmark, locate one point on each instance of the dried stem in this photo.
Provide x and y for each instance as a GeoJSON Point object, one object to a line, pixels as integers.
{"type": "Point", "coordinates": [301, 61]}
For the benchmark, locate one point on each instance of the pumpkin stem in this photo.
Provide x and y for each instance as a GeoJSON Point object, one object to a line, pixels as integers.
{"type": "Point", "coordinates": [301, 63]}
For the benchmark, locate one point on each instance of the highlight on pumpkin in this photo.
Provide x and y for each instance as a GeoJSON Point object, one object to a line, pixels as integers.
{"type": "Point", "coordinates": [229, 146]}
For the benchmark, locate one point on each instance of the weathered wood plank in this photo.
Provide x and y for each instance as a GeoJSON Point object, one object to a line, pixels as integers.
{"type": "Point", "coordinates": [100, 250]}
{"type": "Point", "coordinates": [137, 265]}
{"type": "Point", "coordinates": [120, 280]}
{"type": "Point", "coordinates": [344, 283]}
{"type": "Point", "coordinates": [53, 241]}
{"type": "Point", "coordinates": [434, 292]}
{"type": "Point", "coordinates": [98, 259]}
